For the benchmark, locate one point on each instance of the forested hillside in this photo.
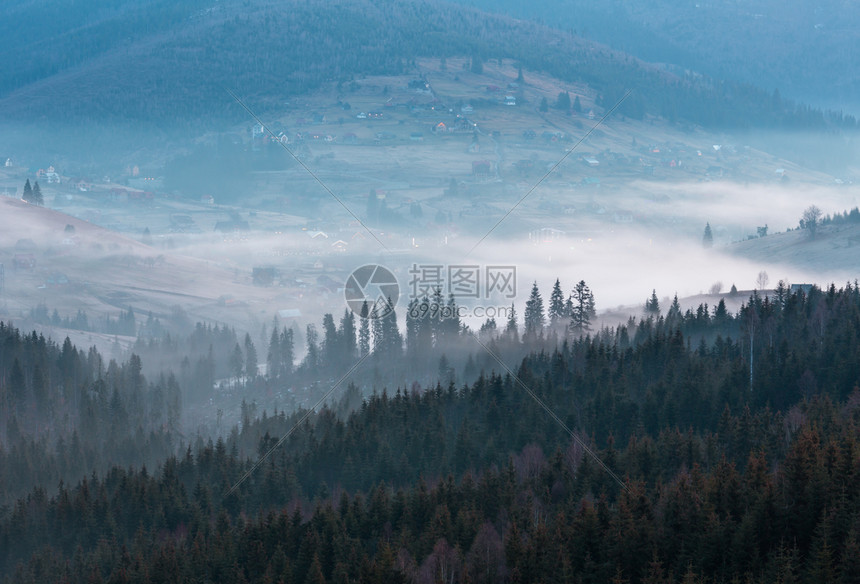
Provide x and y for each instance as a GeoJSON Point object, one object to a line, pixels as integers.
{"type": "Point", "coordinates": [802, 49]}
{"type": "Point", "coordinates": [171, 63]}
{"type": "Point", "coordinates": [734, 438]}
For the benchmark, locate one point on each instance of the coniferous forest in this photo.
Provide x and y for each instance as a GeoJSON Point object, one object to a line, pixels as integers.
{"type": "Point", "coordinates": [697, 446]}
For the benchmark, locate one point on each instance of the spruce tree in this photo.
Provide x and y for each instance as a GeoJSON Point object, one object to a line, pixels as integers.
{"type": "Point", "coordinates": [250, 357]}
{"type": "Point", "coordinates": [582, 308]}
{"type": "Point", "coordinates": [364, 331]}
{"type": "Point", "coordinates": [330, 340]}
{"type": "Point", "coordinates": [563, 101]}
{"type": "Point", "coordinates": [273, 358]}
{"type": "Point", "coordinates": [556, 305]}
{"type": "Point", "coordinates": [450, 325]}
{"type": "Point", "coordinates": [312, 357]}
{"type": "Point", "coordinates": [652, 305]}
{"type": "Point", "coordinates": [287, 351]}
{"type": "Point", "coordinates": [28, 192]}
{"type": "Point", "coordinates": [38, 199]}
{"type": "Point", "coordinates": [477, 65]}
{"type": "Point", "coordinates": [347, 335]}
{"type": "Point", "coordinates": [534, 316]}
{"type": "Point", "coordinates": [511, 327]}
{"type": "Point", "coordinates": [237, 362]}
{"type": "Point", "coordinates": [708, 237]}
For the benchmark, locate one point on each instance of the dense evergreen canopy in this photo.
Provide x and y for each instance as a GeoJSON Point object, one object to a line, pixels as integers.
{"type": "Point", "coordinates": [729, 471]}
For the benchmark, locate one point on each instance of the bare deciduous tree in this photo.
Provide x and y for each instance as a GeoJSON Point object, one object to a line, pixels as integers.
{"type": "Point", "coordinates": [810, 219]}
{"type": "Point", "coordinates": [762, 280]}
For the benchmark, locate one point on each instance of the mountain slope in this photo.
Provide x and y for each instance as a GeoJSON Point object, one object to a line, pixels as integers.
{"type": "Point", "coordinates": [68, 264]}
{"type": "Point", "coordinates": [803, 49]}
{"type": "Point", "coordinates": [172, 65]}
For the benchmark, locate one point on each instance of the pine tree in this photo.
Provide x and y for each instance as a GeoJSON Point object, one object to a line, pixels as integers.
{"type": "Point", "coordinates": [312, 359]}
{"type": "Point", "coordinates": [273, 357]}
{"type": "Point", "coordinates": [563, 101]}
{"type": "Point", "coordinates": [364, 331]}
{"type": "Point", "coordinates": [287, 351]}
{"type": "Point", "coordinates": [556, 305]}
{"type": "Point", "coordinates": [17, 384]}
{"type": "Point", "coordinates": [38, 199]}
{"type": "Point", "coordinates": [450, 325]}
{"type": "Point", "coordinates": [28, 192]}
{"type": "Point", "coordinates": [250, 357]}
{"type": "Point", "coordinates": [378, 330]}
{"type": "Point", "coordinates": [675, 308]}
{"type": "Point", "coordinates": [849, 566]}
{"type": "Point", "coordinates": [413, 324]}
{"type": "Point", "coordinates": [330, 342]}
{"type": "Point", "coordinates": [237, 361]}
{"type": "Point", "coordinates": [708, 237]}
{"type": "Point", "coordinates": [652, 305]}
{"type": "Point", "coordinates": [346, 332]}
{"type": "Point", "coordinates": [392, 339]}
{"type": "Point", "coordinates": [577, 105]}
{"type": "Point", "coordinates": [477, 65]}
{"type": "Point", "coordinates": [534, 315]}
{"type": "Point", "coordinates": [315, 573]}
{"type": "Point", "coordinates": [511, 326]}
{"type": "Point", "coordinates": [582, 309]}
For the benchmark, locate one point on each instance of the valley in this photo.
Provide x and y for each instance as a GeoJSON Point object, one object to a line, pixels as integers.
{"type": "Point", "coordinates": [418, 167]}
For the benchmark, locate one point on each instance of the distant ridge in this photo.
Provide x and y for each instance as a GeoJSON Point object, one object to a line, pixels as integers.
{"type": "Point", "coordinates": [169, 64]}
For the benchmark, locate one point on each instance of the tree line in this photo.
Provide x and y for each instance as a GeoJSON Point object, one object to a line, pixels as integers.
{"type": "Point", "coordinates": [735, 437]}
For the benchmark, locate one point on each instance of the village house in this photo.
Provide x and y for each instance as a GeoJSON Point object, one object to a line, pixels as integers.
{"type": "Point", "coordinates": [481, 167]}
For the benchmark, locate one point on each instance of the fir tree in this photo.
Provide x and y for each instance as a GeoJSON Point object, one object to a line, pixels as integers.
{"type": "Point", "coordinates": [533, 316]}
{"type": "Point", "coordinates": [250, 357]}
{"type": "Point", "coordinates": [273, 357]}
{"type": "Point", "coordinates": [652, 305]}
{"type": "Point", "coordinates": [237, 362]}
{"type": "Point", "coordinates": [477, 66]}
{"type": "Point", "coordinates": [708, 237]}
{"type": "Point", "coordinates": [287, 351]}
{"type": "Point", "coordinates": [511, 326]}
{"type": "Point", "coordinates": [582, 309]}
{"type": "Point", "coordinates": [312, 359]}
{"type": "Point", "coordinates": [346, 332]}
{"type": "Point", "coordinates": [364, 331]}
{"type": "Point", "coordinates": [37, 198]}
{"type": "Point", "coordinates": [544, 105]}
{"type": "Point", "coordinates": [563, 101]}
{"type": "Point", "coordinates": [28, 192]}
{"type": "Point", "coordinates": [556, 306]}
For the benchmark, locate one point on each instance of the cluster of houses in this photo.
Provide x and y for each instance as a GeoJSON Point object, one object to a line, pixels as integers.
{"type": "Point", "coordinates": [48, 175]}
